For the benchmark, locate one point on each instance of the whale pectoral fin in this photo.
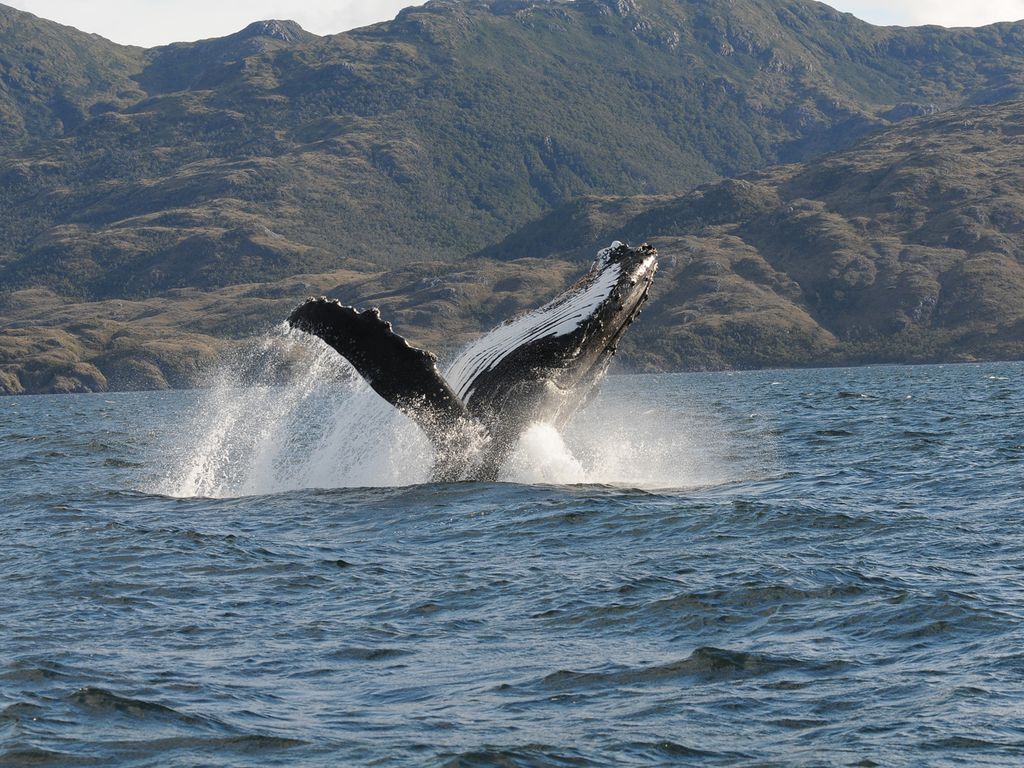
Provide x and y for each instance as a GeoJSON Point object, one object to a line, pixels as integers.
{"type": "Point", "coordinates": [542, 365]}
{"type": "Point", "coordinates": [403, 375]}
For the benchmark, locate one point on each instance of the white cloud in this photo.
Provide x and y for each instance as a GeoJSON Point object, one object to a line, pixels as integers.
{"type": "Point", "coordinates": [156, 22]}
{"type": "Point", "coordinates": [944, 12]}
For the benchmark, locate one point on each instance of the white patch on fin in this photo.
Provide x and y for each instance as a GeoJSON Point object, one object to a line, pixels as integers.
{"type": "Point", "coordinates": [557, 318]}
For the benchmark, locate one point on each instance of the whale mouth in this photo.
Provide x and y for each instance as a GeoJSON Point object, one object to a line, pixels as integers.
{"type": "Point", "coordinates": [540, 365]}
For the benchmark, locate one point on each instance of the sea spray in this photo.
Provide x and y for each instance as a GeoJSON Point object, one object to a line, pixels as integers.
{"type": "Point", "coordinates": [619, 439]}
{"type": "Point", "coordinates": [628, 437]}
{"type": "Point", "coordinates": [290, 413]}
{"type": "Point", "coordinates": [308, 421]}
{"type": "Point", "coordinates": [543, 457]}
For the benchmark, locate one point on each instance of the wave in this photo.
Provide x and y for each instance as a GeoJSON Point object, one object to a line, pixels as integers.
{"type": "Point", "coordinates": [705, 663]}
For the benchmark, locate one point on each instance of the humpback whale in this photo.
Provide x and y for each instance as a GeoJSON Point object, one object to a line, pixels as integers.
{"type": "Point", "coordinates": [540, 366]}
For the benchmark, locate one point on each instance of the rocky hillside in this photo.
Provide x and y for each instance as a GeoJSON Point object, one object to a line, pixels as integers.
{"type": "Point", "coordinates": [908, 247]}
{"type": "Point", "coordinates": [272, 151]}
{"type": "Point", "coordinates": [180, 338]}
{"type": "Point", "coordinates": [157, 205]}
{"type": "Point", "coordinates": [55, 78]}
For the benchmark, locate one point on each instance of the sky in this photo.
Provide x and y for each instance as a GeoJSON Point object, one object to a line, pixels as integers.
{"type": "Point", "coordinates": [156, 22]}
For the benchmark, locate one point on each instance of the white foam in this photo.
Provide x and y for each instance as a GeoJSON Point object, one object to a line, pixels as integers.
{"type": "Point", "coordinates": [619, 439]}
{"type": "Point", "coordinates": [541, 456]}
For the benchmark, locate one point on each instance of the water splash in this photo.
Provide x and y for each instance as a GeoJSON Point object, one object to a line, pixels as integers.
{"type": "Point", "coordinates": [291, 414]}
{"type": "Point", "coordinates": [619, 439]}
{"type": "Point", "coordinates": [543, 457]}
{"type": "Point", "coordinates": [316, 424]}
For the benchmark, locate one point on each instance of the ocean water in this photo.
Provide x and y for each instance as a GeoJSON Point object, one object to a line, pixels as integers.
{"type": "Point", "coordinates": [818, 567]}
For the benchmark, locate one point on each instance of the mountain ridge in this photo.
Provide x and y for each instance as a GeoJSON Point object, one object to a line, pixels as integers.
{"type": "Point", "coordinates": [198, 169]}
{"type": "Point", "coordinates": [444, 130]}
{"type": "Point", "coordinates": [907, 246]}
{"type": "Point", "coordinates": [910, 260]}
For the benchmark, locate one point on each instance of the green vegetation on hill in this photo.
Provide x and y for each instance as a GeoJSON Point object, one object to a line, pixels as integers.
{"type": "Point", "coordinates": [908, 247]}
{"type": "Point", "coordinates": [53, 79]}
{"type": "Point", "coordinates": [433, 135]}
{"type": "Point", "coordinates": [905, 248]}
{"type": "Point", "coordinates": [156, 204]}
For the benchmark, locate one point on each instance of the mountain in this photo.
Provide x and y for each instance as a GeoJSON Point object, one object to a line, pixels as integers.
{"type": "Point", "coordinates": [158, 205]}
{"type": "Point", "coordinates": [273, 151]}
{"type": "Point", "coordinates": [55, 78]}
{"type": "Point", "coordinates": [907, 247]}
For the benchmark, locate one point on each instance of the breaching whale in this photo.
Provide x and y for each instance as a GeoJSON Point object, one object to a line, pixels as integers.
{"type": "Point", "coordinates": [540, 366]}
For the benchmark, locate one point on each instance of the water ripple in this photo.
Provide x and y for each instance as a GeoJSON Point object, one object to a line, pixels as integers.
{"type": "Point", "coordinates": [817, 568]}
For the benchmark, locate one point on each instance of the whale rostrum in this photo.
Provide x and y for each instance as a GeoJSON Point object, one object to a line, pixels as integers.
{"type": "Point", "coordinates": [540, 366]}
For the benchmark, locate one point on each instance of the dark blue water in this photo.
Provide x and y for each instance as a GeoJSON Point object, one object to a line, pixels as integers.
{"type": "Point", "coordinates": [838, 579]}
